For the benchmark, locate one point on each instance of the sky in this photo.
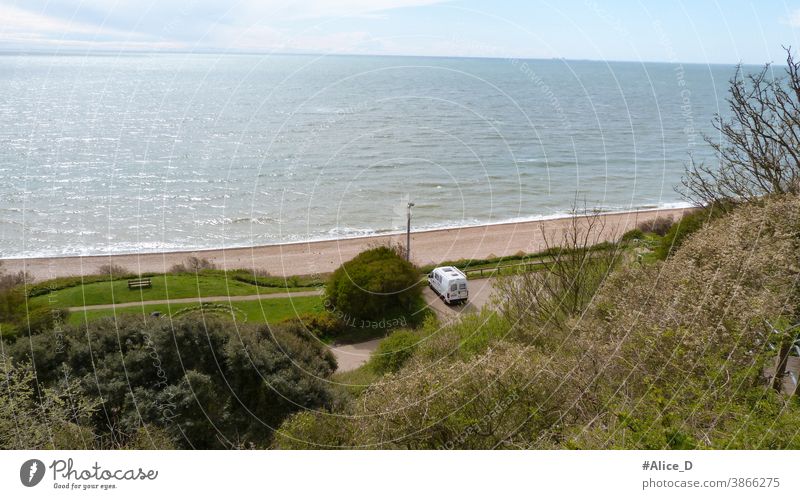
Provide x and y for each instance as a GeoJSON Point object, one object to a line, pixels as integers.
{"type": "Point", "coordinates": [700, 31]}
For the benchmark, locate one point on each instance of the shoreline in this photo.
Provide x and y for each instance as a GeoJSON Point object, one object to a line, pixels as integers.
{"type": "Point", "coordinates": [325, 255]}
{"type": "Point", "coordinates": [388, 233]}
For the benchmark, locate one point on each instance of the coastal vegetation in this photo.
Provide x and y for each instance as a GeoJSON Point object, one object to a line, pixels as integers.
{"type": "Point", "coordinates": [631, 353]}
{"type": "Point", "coordinates": [670, 354]}
{"type": "Point", "coordinates": [666, 337]}
{"type": "Point", "coordinates": [196, 383]}
{"type": "Point", "coordinates": [377, 286]}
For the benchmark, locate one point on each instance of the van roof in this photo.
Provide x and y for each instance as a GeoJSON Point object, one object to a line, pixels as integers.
{"type": "Point", "coordinates": [451, 272]}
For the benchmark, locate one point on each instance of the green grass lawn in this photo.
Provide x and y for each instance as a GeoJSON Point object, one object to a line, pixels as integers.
{"type": "Point", "coordinates": [256, 311]}
{"type": "Point", "coordinates": [164, 287]}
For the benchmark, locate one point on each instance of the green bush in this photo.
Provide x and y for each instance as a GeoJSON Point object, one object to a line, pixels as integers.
{"type": "Point", "coordinates": [632, 235]}
{"type": "Point", "coordinates": [659, 225]}
{"type": "Point", "coordinates": [33, 416]}
{"type": "Point", "coordinates": [306, 430]}
{"type": "Point", "coordinates": [12, 304]}
{"type": "Point", "coordinates": [206, 382]}
{"type": "Point", "coordinates": [377, 285]}
{"type": "Point", "coordinates": [8, 330]}
{"type": "Point", "coordinates": [495, 400]}
{"type": "Point", "coordinates": [683, 228]}
{"type": "Point", "coordinates": [40, 319]}
{"type": "Point", "coordinates": [193, 265]}
{"type": "Point", "coordinates": [394, 351]}
{"type": "Point", "coordinates": [20, 316]}
{"type": "Point", "coordinates": [321, 325]}
{"type": "Point", "coordinates": [463, 339]}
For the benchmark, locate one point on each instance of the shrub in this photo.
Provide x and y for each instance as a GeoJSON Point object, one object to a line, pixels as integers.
{"type": "Point", "coordinates": [321, 325]}
{"type": "Point", "coordinates": [192, 265]}
{"type": "Point", "coordinates": [463, 339]}
{"type": "Point", "coordinates": [496, 400]}
{"type": "Point", "coordinates": [8, 281]}
{"type": "Point", "coordinates": [22, 317]}
{"type": "Point", "coordinates": [114, 271]}
{"type": "Point", "coordinates": [394, 351]}
{"type": "Point", "coordinates": [632, 235]}
{"type": "Point", "coordinates": [306, 430]}
{"type": "Point", "coordinates": [35, 417]}
{"type": "Point", "coordinates": [42, 318]}
{"type": "Point", "coordinates": [206, 382]}
{"type": "Point", "coordinates": [683, 342]}
{"type": "Point", "coordinates": [659, 225]}
{"type": "Point", "coordinates": [687, 225]}
{"type": "Point", "coordinates": [12, 304]}
{"type": "Point", "coordinates": [551, 297]}
{"type": "Point", "coordinates": [376, 285]}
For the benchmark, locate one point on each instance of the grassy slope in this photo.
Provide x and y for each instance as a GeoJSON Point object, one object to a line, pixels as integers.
{"type": "Point", "coordinates": [668, 355]}
{"type": "Point", "coordinates": [164, 287]}
{"type": "Point", "coordinates": [271, 310]}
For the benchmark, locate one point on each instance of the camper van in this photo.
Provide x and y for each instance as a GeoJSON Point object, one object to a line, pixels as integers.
{"type": "Point", "coordinates": [449, 283]}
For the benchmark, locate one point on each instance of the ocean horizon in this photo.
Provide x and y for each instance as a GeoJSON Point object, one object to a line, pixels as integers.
{"type": "Point", "coordinates": [105, 154]}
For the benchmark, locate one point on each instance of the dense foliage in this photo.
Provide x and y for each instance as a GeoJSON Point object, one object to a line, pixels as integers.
{"type": "Point", "coordinates": [394, 351]}
{"type": "Point", "coordinates": [200, 381]}
{"type": "Point", "coordinates": [377, 285]}
{"type": "Point", "coordinates": [691, 222]}
{"type": "Point", "coordinates": [18, 316]}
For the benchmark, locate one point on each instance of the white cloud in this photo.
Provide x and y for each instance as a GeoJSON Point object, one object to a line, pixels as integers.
{"type": "Point", "coordinates": [23, 28]}
{"type": "Point", "coordinates": [318, 9]}
{"type": "Point", "coordinates": [794, 19]}
{"type": "Point", "coordinates": [246, 25]}
{"type": "Point", "coordinates": [19, 21]}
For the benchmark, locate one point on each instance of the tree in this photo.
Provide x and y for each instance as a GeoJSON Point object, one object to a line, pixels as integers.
{"type": "Point", "coordinates": [580, 262]}
{"type": "Point", "coordinates": [35, 417]}
{"type": "Point", "coordinates": [17, 314]}
{"type": "Point", "coordinates": [376, 285]}
{"type": "Point", "coordinates": [202, 381]}
{"type": "Point", "coordinates": [760, 149]}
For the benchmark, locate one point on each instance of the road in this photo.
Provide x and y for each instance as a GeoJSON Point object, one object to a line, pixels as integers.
{"type": "Point", "coordinates": [481, 292]}
{"type": "Point", "coordinates": [351, 357]}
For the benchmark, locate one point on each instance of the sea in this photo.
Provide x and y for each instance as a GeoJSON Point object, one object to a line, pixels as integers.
{"type": "Point", "coordinates": [107, 153]}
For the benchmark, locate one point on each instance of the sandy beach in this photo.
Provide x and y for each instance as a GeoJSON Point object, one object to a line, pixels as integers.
{"type": "Point", "coordinates": [320, 257]}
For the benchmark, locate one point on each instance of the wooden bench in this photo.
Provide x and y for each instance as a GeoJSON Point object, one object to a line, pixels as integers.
{"type": "Point", "coordinates": [140, 283]}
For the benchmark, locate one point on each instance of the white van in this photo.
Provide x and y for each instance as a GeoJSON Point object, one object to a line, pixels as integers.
{"type": "Point", "coordinates": [449, 283]}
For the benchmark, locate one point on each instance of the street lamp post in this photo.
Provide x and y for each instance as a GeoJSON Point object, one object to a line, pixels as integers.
{"type": "Point", "coordinates": [408, 233]}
